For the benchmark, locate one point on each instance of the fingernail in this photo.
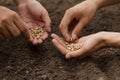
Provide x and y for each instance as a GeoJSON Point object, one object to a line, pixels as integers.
{"type": "Point", "coordinates": [68, 56]}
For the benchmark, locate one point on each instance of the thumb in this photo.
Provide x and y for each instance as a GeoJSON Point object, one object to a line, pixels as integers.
{"type": "Point", "coordinates": [47, 20]}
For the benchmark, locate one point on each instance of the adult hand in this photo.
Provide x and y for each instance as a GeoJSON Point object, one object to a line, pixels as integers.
{"type": "Point", "coordinates": [89, 44]}
{"type": "Point", "coordinates": [83, 12]}
{"type": "Point", "coordinates": [11, 24]}
{"type": "Point", "coordinates": [35, 15]}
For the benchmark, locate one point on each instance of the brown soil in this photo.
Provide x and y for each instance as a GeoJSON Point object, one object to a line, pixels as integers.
{"type": "Point", "coordinates": [19, 60]}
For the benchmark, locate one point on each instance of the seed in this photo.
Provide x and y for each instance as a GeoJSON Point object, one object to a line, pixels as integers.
{"type": "Point", "coordinates": [71, 39]}
{"type": "Point", "coordinates": [73, 46]}
{"type": "Point", "coordinates": [37, 32]}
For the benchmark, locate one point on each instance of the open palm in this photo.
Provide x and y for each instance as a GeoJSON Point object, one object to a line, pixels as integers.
{"type": "Point", "coordinates": [89, 44]}
{"type": "Point", "coordinates": [36, 16]}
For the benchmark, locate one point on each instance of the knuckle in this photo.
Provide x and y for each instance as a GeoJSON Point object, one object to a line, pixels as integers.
{"type": "Point", "coordinates": [61, 27]}
{"type": "Point", "coordinates": [13, 14]}
{"type": "Point", "coordinates": [68, 11]}
{"type": "Point", "coordinates": [24, 29]}
{"type": "Point", "coordinates": [4, 20]}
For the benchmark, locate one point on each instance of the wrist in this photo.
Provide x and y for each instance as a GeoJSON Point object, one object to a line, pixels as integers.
{"type": "Point", "coordinates": [110, 38]}
{"type": "Point", "coordinates": [19, 2]}
{"type": "Point", "coordinates": [97, 3]}
{"type": "Point", "coordinates": [102, 3]}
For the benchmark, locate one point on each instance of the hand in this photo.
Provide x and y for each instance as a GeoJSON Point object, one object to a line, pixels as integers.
{"type": "Point", "coordinates": [35, 15]}
{"type": "Point", "coordinates": [11, 24]}
{"type": "Point", "coordinates": [83, 13]}
{"type": "Point", "coordinates": [89, 44]}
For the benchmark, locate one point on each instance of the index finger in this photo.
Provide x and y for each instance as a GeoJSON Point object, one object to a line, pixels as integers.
{"type": "Point", "coordinates": [22, 26]}
{"type": "Point", "coordinates": [65, 24]}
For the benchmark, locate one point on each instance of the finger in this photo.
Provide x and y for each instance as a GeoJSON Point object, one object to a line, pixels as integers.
{"type": "Point", "coordinates": [45, 35]}
{"type": "Point", "coordinates": [22, 26]}
{"type": "Point", "coordinates": [65, 24]}
{"type": "Point", "coordinates": [78, 28]}
{"type": "Point", "coordinates": [35, 41]}
{"type": "Point", "coordinates": [39, 41]}
{"type": "Point", "coordinates": [54, 36]}
{"type": "Point", "coordinates": [31, 36]}
{"type": "Point", "coordinates": [47, 21]}
{"type": "Point", "coordinates": [5, 32]}
{"type": "Point", "coordinates": [62, 49]}
{"type": "Point", "coordinates": [12, 29]}
{"type": "Point", "coordinates": [1, 37]}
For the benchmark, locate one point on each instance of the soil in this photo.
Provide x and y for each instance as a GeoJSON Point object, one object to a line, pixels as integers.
{"type": "Point", "coordinates": [20, 60]}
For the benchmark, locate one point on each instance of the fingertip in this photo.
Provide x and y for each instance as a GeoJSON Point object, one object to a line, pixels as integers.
{"type": "Point", "coordinates": [53, 40]}
{"type": "Point", "coordinates": [40, 41]}
{"type": "Point", "coordinates": [68, 56]}
{"type": "Point", "coordinates": [52, 34]}
{"type": "Point", "coordinates": [34, 42]}
{"type": "Point", "coordinates": [48, 29]}
{"type": "Point", "coordinates": [74, 37]}
{"type": "Point", "coordinates": [45, 36]}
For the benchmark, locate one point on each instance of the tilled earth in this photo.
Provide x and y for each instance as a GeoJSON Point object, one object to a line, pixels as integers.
{"type": "Point", "coordinates": [20, 60]}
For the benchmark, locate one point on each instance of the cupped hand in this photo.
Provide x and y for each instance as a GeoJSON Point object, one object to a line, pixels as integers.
{"type": "Point", "coordinates": [11, 25]}
{"type": "Point", "coordinates": [88, 43]}
{"type": "Point", "coordinates": [35, 15]}
{"type": "Point", "coordinates": [82, 13]}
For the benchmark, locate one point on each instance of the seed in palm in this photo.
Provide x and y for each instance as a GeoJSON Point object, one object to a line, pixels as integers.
{"type": "Point", "coordinates": [37, 32]}
{"type": "Point", "coordinates": [73, 46]}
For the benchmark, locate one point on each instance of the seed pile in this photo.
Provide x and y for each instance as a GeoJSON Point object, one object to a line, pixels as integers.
{"type": "Point", "coordinates": [37, 32]}
{"type": "Point", "coordinates": [73, 46]}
